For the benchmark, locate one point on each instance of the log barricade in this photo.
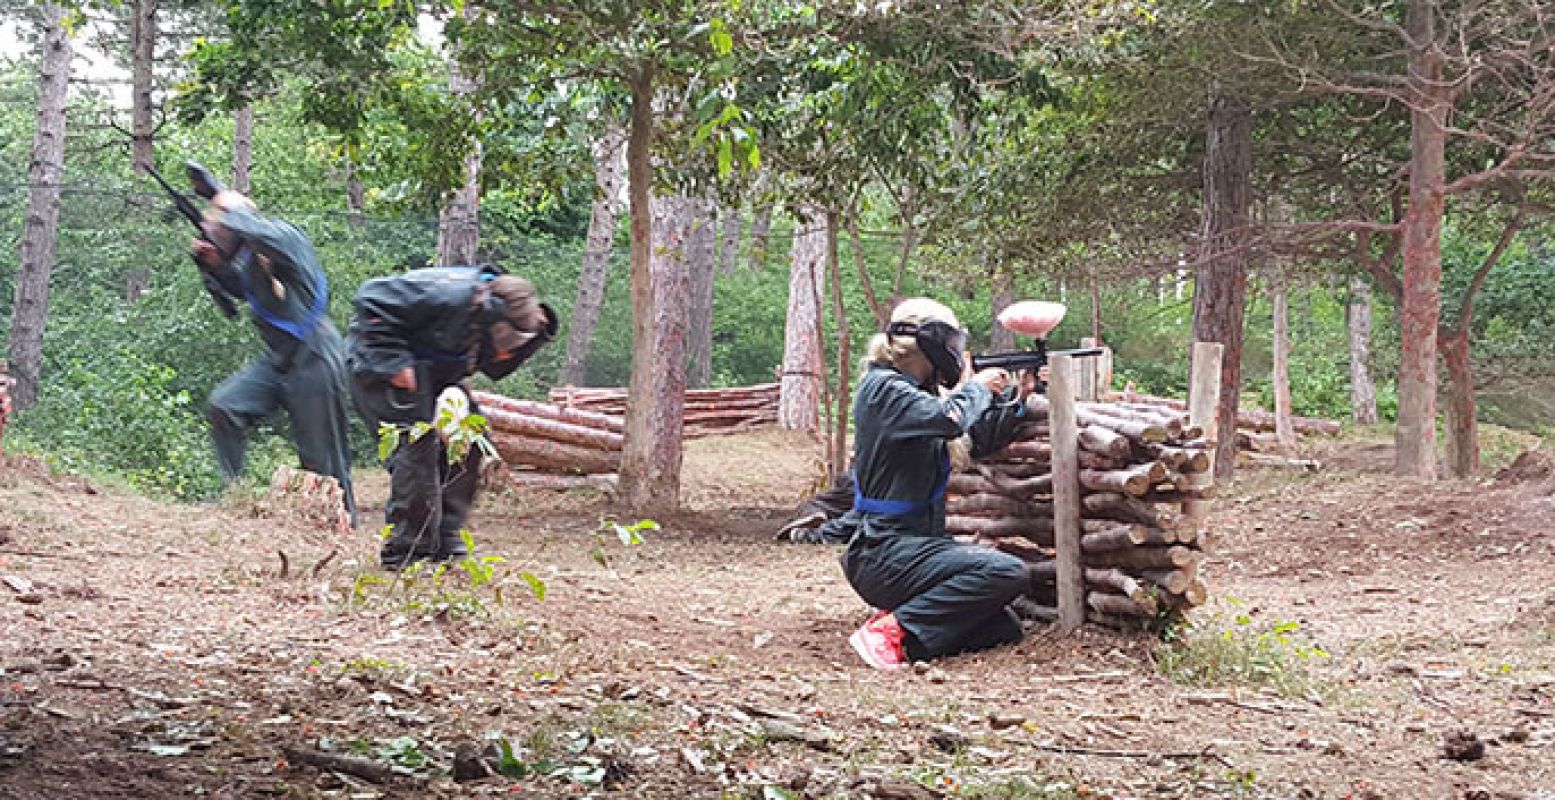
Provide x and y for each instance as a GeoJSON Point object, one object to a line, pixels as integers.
{"type": "Point", "coordinates": [1140, 554]}
{"type": "Point", "coordinates": [707, 411]}
{"type": "Point", "coordinates": [551, 447]}
{"type": "Point", "coordinates": [1248, 419]}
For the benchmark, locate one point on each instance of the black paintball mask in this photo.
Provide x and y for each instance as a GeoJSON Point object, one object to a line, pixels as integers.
{"type": "Point", "coordinates": [942, 343]}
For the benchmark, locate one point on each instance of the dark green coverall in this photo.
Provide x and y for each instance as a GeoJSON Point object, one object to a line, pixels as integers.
{"type": "Point", "coordinates": [303, 369]}
{"type": "Point", "coordinates": [424, 319]}
{"type": "Point", "coordinates": [948, 597]}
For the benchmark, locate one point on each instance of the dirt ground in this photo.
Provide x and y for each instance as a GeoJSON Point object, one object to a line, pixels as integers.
{"type": "Point", "coordinates": [158, 650]}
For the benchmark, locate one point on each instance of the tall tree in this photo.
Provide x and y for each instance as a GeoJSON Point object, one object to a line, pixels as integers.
{"type": "Point", "coordinates": [1220, 289]}
{"type": "Point", "coordinates": [242, 147]}
{"type": "Point", "coordinates": [143, 56]}
{"type": "Point", "coordinates": [799, 399]}
{"type": "Point", "coordinates": [458, 223]}
{"type": "Point", "coordinates": [731, 224]}
{"type": "Point", "coordinates": [702, 266]}
{"type": "Point", "coordinates": [1357, 316]}
{"type": "Point", "coordinates": [35, 260]}
{"type": "Point", "coordinates": [609, 159]}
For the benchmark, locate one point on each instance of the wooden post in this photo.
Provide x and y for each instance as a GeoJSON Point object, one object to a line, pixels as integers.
{"type": "Point", "coordinates": [1085, 373]}
{"type": "Point", "coordinates": [1066, 495]}
{"type": "Point", "coordinates": [1203, 397]}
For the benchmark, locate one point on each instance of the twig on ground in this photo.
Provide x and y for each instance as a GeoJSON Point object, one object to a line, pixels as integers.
{"type": "Point", "coordinates": [324, 562]}
{"type": "Point", "coordinates": [350, 765]}
{"type": "Point", "coordinates": [286, 565]}
{"type": "Point", "coordinates": [1206, 753]}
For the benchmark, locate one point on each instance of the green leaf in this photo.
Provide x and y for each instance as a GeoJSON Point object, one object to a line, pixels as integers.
{"type": "Point", "coordinates": [536, 586]}
{"type": "Point", "coordinates": [725, 156]}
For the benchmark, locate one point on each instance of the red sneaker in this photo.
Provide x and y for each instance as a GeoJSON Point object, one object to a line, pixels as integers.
{"type": "Point", "coordinates": [879, 642]}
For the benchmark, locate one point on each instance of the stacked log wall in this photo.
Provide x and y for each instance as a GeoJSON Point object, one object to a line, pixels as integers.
{"type": "Point", "coordinates": [1140, 554]}
{"type": "Point", "coordinates": [708, 411]}
{"type": "Point", "coordinates": [550, 446]}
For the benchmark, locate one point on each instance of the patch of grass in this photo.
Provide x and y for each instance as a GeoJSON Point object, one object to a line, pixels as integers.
{"type": "Point", "coordinates": [1235, 649]}
{"type": "Point", "coordinates": [1498, 446]}
{"type": "Point", "coordinates": [1020, 789]}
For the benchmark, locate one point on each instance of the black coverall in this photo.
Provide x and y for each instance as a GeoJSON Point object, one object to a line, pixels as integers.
{"type": "Point", "coordinates": [948, 597]}
{"type": "Point", "coordinates": [303, 368]}
{"type": "Point", "coordinates": [424, 319]}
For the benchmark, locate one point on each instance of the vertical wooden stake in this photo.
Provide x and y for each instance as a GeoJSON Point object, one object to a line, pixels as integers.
{"type": "Point", "coordinates": [1066, 493]}
{"type": "Point", "coordinates": [1086, 371]}
{"type": "Point", "coordinates": [1203, 397]}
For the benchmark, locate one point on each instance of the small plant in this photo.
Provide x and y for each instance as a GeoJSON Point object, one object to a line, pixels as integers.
{"type": "Point", "coordinates": [1237, 650]}
{"type": "Point", "coordinates": [628, 535]}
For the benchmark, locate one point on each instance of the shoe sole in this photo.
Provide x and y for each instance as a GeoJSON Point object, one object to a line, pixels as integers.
{"type": "Point", "coordinates": [863, 652]}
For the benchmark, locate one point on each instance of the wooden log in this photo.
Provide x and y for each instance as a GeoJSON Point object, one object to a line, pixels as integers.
{"type": "Point", "coordinates": [1170, 493]}
{"type": "Point", "coordinates": [1066, 496]}
{"type": "Point", "coordinates": [1116, 581]}
{"type": "Point", "coordinates": [1028, 449]}
{"type": "Point", "coordinates": [1172, 424]}
{"type": "Point", "coordinates": [1120, 536]}
{"type": "Point", "coordinates": [1118, 605]}
{"type": "Point", "coordinates": [526, 479]}
{"type": "Point", "coordinates": [1137, 432]}
{"type": "Point", "coordinates": [1147, 558]}
{"type": "Point", "coordinates": [1019, 546]}
{"type": "Point", "coordinates": [571, 416]}
{"type": "Point", "coordinates": [1105, 441]}
{"type": "Point", "coordinates": [1037, 529]}
{"type": "Point", "coordinates": [990, 502]}
{"type": "Point", "coordinates": [1174, 580]}
{"type": "Point", "coordinates": [553, 456]}
{"type": "Point", "coordinates": [1110, 505]}
{"type": "Point", "coordinates": [540, 428]}
{"type": "Point", "coordinates": [1012, 469]}
{"type": "Point", "coordinates": [1196, 593]}
{"type": "Point", "coordinates": [964, 484]}
{"type": "Point", "coordinates": [1135, 481]}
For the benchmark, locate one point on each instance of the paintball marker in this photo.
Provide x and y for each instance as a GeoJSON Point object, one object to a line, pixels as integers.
{"type": "Point", "coordinates": [1036, 319]}
{"type": "Point", "coordinates": [206, 186]}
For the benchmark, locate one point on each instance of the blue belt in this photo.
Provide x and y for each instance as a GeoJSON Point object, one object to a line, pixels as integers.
{"type": "Point", "coordinates": [310, 318]}
{"type": "Point", "coordinates": [880, 505]}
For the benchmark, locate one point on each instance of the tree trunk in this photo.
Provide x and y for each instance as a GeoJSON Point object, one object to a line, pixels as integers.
{"type": "Point", "coordinates": [35, 261]}
{"type": "Point", "coordinates": [1002, 339]}
{"type": "Point", "coordinates": [651, 455]}
{"type": "Point", "coordinates": [1461, 431]}
{"type": "Point", "coordinates": [701, 265]}
{"type": "Point", "coordinates": [143, 44]}
{"type": "Point", "coordinates": [1095, 307]}
{"type": "Point", "coordinates": [458, 226]}
{"type": "Point", "coordinates": [731, 223]}
{"type": "Point", "coordinates": [608, 166]}
{"type": "Point", "coordinates": [881, 314]}
{"type": "Point", "coordinates": [799, 399]}
{"type": "Point", "coordinates": [761, 231]}
{"type": "Point", "coordinates": [1279, 296]}
{"type": "Point", "coordinates": [1363, 393]}
{"type": "Point", "coordinates": [356, 196]}
{"type": "Point", "coordinates": [243, 148]}
{"type": "Point", "coordinates": [843, 404]}
{"type": "Point", "coordinates": [909, 215]}
{"type": "Point", "coordinates": [1420, 311]}
{"type": "Point", "coordinates": [1220, 291]}
{"type": "Point", "coordinates": [143, 54]}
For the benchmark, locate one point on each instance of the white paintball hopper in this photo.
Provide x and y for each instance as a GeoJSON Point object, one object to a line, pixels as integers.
{"type": "Point", "coordinates": [1034, 318]}
{"type": "Point", "coordinates": [453, 405]}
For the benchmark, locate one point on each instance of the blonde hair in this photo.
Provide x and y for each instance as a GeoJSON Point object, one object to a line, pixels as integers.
{"type": "Point", "coordinates": [902, 351]}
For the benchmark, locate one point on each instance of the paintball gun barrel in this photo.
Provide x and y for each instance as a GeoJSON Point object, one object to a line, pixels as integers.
{"type": "Point", "coordinates": [1034, 359]}
{"type": "Point", "coordinates": [206, 186]}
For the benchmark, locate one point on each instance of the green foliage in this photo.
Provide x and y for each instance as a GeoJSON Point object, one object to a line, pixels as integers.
{"type": "Point", "coordinates": [1233, 648]}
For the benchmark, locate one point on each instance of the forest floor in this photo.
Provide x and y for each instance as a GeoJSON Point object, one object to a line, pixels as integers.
{"type": "Point", "coordinates": [1364, 629]}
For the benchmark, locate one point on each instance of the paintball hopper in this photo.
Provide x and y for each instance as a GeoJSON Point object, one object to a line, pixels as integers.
{"type": "Point", "coordinates": [1034, 318]}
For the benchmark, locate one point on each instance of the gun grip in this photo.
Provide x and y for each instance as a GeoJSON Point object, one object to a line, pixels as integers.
{"type": "Point", "coordinates": [205, 184]}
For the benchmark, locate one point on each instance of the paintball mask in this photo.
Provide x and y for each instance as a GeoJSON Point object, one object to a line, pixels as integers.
{"type": "Point", "coordinates": [943, 344]}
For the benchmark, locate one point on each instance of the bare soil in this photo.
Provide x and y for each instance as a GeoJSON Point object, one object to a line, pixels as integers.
{"type": "Point", "coordinates": [162, 650]}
